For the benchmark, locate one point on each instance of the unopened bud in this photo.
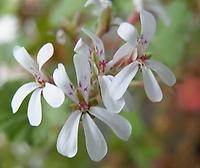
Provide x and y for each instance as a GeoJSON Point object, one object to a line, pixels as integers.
{"type": "Point", "coordinates": [104, 21]}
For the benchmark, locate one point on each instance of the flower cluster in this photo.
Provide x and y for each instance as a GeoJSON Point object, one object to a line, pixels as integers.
{"type": "Point", "coordinates": [101, 85]}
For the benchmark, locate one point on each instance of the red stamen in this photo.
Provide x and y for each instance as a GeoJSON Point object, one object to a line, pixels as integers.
{"type": "Point", "coordinates": [102, 65]}
{"type": "Point", "coordinates": [83, 106]}
{"type": "Point", "coordinates": [143, 58]}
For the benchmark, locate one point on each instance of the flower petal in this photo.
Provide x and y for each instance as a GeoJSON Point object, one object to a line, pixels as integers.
{"type": "Point", "coordinates": [62, 80]}
{"type": "Point", "coordinates": [113, 106]}
{"type": "Point", "coordinates": [34, 108]}
{"type": "Point", "coordinates": [122, 52]}
{"type": "Point", "coordinates": [120, 126]}
{"type": "Point", "coordinates": [129, 102]}
{"type": "Point", "coordinates": [21, 94]}
{"type": "Point", "coordinates": [151, 86]}
{"type": "Point", "coordinates": [23, 58]}
{"type": "Point", "coordinates": [165, 74]}
{"type": "Point", "coordinates": [128, 33]}
{"type": "Point", "coordinates": [138, 4]}
{"type": "Point", "coordinates": [148, 27]}
{"type": "Point", "coordinates": [67, 142]}
{"type": "Point", "coordinates": [82, 48]}
{"type": "Point", "coordinates": [53, 95]}
{"type": "Point", "coordinates": [44, 54]}
{"type": "Point", "coordinates": [122, 80]}
{"type": "Point", "coordinates": [83, 74]}
{"type": "Point", "coordinates": [97, 42]}
{"type": "Point", "coordinates": [90, 2]}
{"type": "Point", "coordinates": [95, 142]}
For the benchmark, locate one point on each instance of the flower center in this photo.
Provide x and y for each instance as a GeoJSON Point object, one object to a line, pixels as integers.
{"type": "Point", "coordinates": [40, 80]}
{"type": "Point", "coordinates": [143, 58]}
{"type": "Point", "coordinates": [83, 106]}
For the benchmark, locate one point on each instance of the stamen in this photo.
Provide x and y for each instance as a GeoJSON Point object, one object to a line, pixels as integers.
{"type": "Point", "coordinates": [83, 106]}
{"type": "Point", "coordinates": [102, 65]}
{"type": "Point", "coordinates": [143, 58]}
{"type": "Point", "coordinates": [40, 80]}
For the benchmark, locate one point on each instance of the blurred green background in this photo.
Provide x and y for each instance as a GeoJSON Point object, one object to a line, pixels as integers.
{"type": "Point", "coordinates": [165, 135]}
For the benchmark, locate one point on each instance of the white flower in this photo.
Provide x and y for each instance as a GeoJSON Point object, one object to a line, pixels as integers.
{"type": "Point", "coordinates": [100, 4]}
{"type": "Point", "coordinates": [154, 6]}
{"type": "Point", "coordinates": [101, 66]}
{"type": "Point", "coordinates": [85, 111]}
{"type": "Point", "coordinates": [52, 94]}
{"type": "Point", "coordinates": [141, 60]}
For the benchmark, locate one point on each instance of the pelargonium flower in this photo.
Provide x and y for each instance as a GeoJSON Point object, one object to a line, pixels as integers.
{"type": "Point", "coordinates": [85, 110]}
{"type": "Point", "coordinates": [42, 85]}
{"type": "Point", "coordinates": [141, 60]}
{"type": "Point", "coordinates": [96, 56]}
{"type": "Point", "coordinates": [155, 7]}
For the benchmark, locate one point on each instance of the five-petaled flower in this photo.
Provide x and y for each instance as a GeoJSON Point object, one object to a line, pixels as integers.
{"type": "Point", "coordinates": [42, 85]}
{"type": "Point", "coordinates": [86, 112]}
{"type": "Point", "coordinates": [140, 60]}
{"type": "Point", "coordinates": [101, 66]}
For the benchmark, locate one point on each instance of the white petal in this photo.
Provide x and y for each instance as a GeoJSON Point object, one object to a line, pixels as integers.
{"type": "Point", "coordinates": [113, 106]}
{"type": "Point", "coordinates": [90, 2]}
{"type": "Point", "coordinates": [122, 80]}
{"type": "Point", "coordinates": [165, 74]}
{"type": "Point", "coordinates": [120, 126]}
{"type": "Point", "coordinates": [62, 80]}
{"type": "Point", "coordinates": [148, 27]}
{"type": "Point", "coordinates": [95, 142]}
{"type": "Point", "coordinates": [44, 54]}
{"type": "Point", "coordinates": [53, 95]}
{"type": "Point", "coordinates": [138, 4]}
{"type": "Point", "coordinates": [135, 54]}
{"type": "Point", "coordinates": [122, 52]}
{"type": "Point", "coordinates": [67, 142]}
{"type": "Point", "coordinates": [97, 42]}
{"type": "Point", "coordinates": [21, 94]}
{"type": "Point", "coordinates": [128, 33]}
{"type": "Point", "coordinates": [83, 74]}
{"type": "Point", "coordinates": [151, 86]}
{"type": "Point", "coordinates": [23, 58]}
{"type": "Point", "coordinates": [82, 48]}
{"type": "Point", "coordinates": [34, 108]}
{"type": "Point", "coordinates": [129, 102]}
